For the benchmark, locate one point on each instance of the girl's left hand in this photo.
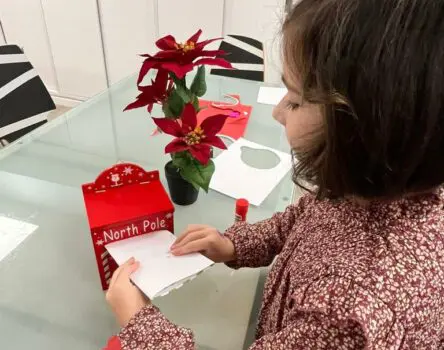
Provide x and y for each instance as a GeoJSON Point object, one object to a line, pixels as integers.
{"type": "Point", "coordinates": [125, 299]}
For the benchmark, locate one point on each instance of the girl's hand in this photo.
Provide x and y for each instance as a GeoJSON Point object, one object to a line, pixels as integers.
{"type": "Point", "coordinates": [125, 299]}
{"type": "Point", "coordinates": [206, 240]}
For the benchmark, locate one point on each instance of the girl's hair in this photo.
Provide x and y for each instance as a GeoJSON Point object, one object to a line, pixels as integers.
{"type": "Point", "coordinates": [376, 68]}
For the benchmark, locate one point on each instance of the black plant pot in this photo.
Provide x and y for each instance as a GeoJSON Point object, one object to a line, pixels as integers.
{"type": "Point", "coordinates": [181, 191]}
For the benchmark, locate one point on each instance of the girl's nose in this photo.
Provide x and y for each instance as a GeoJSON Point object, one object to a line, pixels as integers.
{"type": "Point", "coordinates": [279, 114]}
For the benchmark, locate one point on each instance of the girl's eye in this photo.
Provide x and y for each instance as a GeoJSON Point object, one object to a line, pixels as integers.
{"type": "Point", "coordinates": [292, 106]}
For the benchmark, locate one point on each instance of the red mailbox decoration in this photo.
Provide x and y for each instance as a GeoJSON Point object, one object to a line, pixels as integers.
{"type": "Point", "coordinates": [123, 202]}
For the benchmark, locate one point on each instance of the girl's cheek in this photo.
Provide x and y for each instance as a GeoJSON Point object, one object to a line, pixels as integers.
{"type": "Point", "coordinates": [293, 136]}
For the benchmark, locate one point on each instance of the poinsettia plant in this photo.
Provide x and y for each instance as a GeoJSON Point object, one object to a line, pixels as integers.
{"type": "Point", "coordinates": [191, 149]}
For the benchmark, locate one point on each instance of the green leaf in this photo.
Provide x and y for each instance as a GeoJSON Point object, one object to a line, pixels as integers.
{"type": "Point", "coordinates": [184, 93]}
{"type": "Point", "coordinates": [190, 179]}
{"type": "Point", "coordinates": [177, 81]}
{"type": "Point", "coordinates": [175, 104]}
{"type": "Point", "coordinates": [196, 104]}
{"type": "Point", "coordinates": [181, 160]}
{"type": "Point", "coordinates": [199, 85]}
{"type": "Point", "coordinates": [198, 175]}
{"type": "Point", "coordinates": [192, 171]}
{"type": "Point", "coordinates": [167, 111]}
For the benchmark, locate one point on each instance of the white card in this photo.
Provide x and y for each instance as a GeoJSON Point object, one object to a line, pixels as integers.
{"type": "Point", "coordinates": [12, 233]}
{"type": "Point", "coordinates": [236, 179]}
{"type": "Point", "coordinates": [159, 271]}
{"type": "Point", "coordinates": [271, 95]}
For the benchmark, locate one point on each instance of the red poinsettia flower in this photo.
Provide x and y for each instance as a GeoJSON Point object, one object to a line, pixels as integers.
{"type": "Point", "coordinates": [179, 58]}
{"type": "Point", "coordinates": [197, 139]}
{"type": "Point", "coordinates": [157, 92]}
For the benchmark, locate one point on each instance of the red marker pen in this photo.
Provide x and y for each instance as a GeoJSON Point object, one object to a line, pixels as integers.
{"type": "Point", "coordinates": [241, 210]}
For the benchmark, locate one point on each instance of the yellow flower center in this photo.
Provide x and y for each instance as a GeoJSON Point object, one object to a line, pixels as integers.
{"type": "Point", "coordinates": [188, 46]}
{"type": "Point", "coordinates": [195, 136]}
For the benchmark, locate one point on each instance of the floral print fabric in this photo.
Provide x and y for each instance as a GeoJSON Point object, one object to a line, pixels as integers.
{"type": "Point", "coordinates": [345, 277]}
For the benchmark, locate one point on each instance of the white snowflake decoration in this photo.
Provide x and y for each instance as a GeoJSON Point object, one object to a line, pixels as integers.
{"type": "Point", "coordinates": [128, 170]}
{"type": "Point", "coordinates": [99, 242]}
{"type": "Point", "coordinates": [169, 216]}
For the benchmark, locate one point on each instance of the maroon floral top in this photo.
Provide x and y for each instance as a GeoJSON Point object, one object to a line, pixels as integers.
{"type": "Point", "coordinates": [347, 277]}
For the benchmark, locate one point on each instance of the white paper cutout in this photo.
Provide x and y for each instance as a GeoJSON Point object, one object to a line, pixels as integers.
{"type": "Point", "coordinates": [271, 95]}
{"type": "Point", "coordinates": [159, 272]}
{"type": "Point", "coordinates": [236, 179]}
{"type": "Point", "coordinates": [12, 233]}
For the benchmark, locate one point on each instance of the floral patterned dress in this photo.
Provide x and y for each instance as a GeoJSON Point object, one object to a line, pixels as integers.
{"type": "Point", "coordinates": [346, 277]}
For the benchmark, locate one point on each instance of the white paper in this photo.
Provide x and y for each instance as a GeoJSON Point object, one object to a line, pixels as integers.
{"type": "Point", "coordinates": [12, 233]}
{"type": "Point", "coordinates": [271, 95]}
{"type": "Point", "coordinates": [159, 271]}
{"type": "Point", "coordinates": [236, 179]}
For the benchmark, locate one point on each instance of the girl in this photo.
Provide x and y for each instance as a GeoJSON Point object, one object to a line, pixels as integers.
{"type": "Point", "coordinates": [360, 260]}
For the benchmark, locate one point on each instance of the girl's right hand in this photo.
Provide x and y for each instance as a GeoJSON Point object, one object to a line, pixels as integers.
{"type": "Point", "coordinates": [206, 240]}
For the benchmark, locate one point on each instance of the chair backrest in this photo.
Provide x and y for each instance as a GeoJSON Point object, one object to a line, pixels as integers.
{"type": "Point", "coordinates": [23, 96]}
{"type": "Point", "coordinates": [246, 55]}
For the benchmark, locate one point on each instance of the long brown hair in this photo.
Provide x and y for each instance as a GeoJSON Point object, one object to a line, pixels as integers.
{"type": "Point", "coordinates": [376, 68]}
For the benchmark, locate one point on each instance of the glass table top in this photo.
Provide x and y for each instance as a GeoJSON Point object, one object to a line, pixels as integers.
{"type": "Point", "coordinates": [50, 294]}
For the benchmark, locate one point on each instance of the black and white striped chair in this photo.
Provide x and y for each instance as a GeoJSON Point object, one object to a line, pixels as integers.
{"type": "Point", "coordinates": [246, 55]}
{"type": "Point", "coordinates": [24, 100]}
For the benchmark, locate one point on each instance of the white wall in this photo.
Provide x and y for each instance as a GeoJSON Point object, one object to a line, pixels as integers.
{"type": "Point", "coordinates": [182, 18]}
{"type": "Point", "coordinates": [24, 25]}
{"type": "Point", "coordinates": [81, 47]}
{"type": "Point", "coordinates": [2, 36]}
{"type": "Point", "coordinates": [75, 39]}
{"type": "Point", "coordinates": [129, 29]}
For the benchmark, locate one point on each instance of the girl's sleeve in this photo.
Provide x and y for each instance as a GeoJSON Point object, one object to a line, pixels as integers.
{"type": "Point", "coordinates": [150, 329]}
{"type": "Point", "coordinates": [330, 313]}
{"type": "Point", "coordinates": [311, 331]}
{"type": "Point", "coordinates": [256, 245]}
{"type": "Point", "coordinates": [336, 313]}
